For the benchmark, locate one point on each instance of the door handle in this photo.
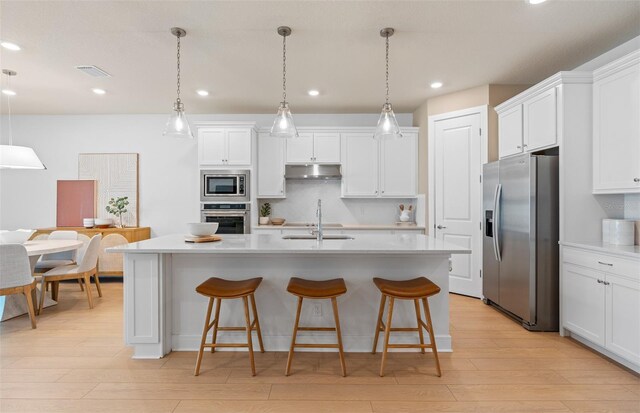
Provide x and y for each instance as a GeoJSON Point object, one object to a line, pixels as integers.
{"type": "Point", "coordinates": [440, 227]}
{"type": "Point", "coordinates": [496, 222]}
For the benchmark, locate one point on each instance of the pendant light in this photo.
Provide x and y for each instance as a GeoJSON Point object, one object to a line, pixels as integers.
{"type": "Point", "coordinates": [16, 157]}
{"type": "Point", "coordinates": [387, 124]}
{"type": "Point", "coordinates": [283, 125]}
{"type": "Point", "coordinates": [178, 125]}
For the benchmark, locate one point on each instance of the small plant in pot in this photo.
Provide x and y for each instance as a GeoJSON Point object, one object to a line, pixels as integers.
{"type": "Point", "coordinates": [265, 212]}
{"type": "Point", "coordinates": [117, 207]}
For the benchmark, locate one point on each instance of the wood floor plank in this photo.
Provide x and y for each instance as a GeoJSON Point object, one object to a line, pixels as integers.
{"type": "Point", "coordinates": [272, 406]}
{"type": "Point", "coordinates": [543, 364]}
{"type": "Point", "coordinates": [603, 406]}
{"type": "Point", "coordinates": [599, 377]}
{"type": "Point", "coordinates": [85, 362]}
{"type": "Point", "coordinates": [87, 406]}
{"type": "Point", "coordinates": [217, 375]}
{"type": "Point", "coordinates": [483, 377]}
{"type": "Point", "coordinates": [541, 392]}
{"type": "Point", "coordinates": [31, 375]}
{"type": "Point", "coordinates": [41, 391]}
{"type": "Point", "coordinates": [360, 392]}
{"type": "Point", "coordinates": [168, 391]}
{"type": "Point", "coordinates": [470, 407]}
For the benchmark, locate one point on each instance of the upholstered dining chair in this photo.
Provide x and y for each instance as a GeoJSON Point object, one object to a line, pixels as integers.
{"type": "Point", "coordinates": [15, 275]}
{"type": "Point", "coordinates": [84, 270]}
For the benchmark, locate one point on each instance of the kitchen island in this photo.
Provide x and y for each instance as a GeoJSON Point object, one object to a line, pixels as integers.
{"type": "Point", "coordinates": [163, 313]}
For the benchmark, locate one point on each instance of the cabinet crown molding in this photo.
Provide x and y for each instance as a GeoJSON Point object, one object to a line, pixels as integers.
{"type": "Point", "coordinates": [342, 129]}
{"type": "Point", "coordinates": [631, 59]}
{"type": "Point", "coordinates": [560, 78]}
{"type": "Point", "coordinates": [225, 124]}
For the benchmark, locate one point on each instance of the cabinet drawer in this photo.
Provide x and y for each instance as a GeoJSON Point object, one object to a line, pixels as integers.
{"type": "Point", "coordinates": [603, 262]}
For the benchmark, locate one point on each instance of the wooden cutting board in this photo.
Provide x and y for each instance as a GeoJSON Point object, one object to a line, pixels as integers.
{"type": "Point", "coordinates": [194, 239]}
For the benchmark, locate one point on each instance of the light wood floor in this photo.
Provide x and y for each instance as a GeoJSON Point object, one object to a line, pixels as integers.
{"type": "Point", "coordinates": [76, 362]}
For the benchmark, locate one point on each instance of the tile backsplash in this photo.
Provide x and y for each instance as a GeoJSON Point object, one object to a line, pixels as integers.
{"type": "Point", "coordinates": [632, 206]}
{"type": "Point", "coordinates": [302, 197]}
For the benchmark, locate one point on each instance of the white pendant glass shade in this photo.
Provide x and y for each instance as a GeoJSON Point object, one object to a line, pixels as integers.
{"type": "Point", "coordinates": [387, 124]}
{"type": "Point", "coordinates": [19, 157]}
{"type": "Point", "coordinates": [283, 126]}
{"type": "Point", "coordinates": [178, 125]}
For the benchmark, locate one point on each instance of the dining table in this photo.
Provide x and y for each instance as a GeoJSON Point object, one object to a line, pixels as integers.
{"type": "Point", "coordinates": [15, 305]}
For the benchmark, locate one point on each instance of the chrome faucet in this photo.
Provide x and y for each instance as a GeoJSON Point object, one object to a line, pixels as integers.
{"type": "Point", "coordinates": [319, 231]}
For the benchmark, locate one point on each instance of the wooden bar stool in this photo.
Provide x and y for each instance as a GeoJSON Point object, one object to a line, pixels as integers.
{"type": "Point", "coordinates": [416, 289]}
{"type": "Point", "coordinates": [220, 289]}
{"type": "Point", "coordinates": [317, 290]}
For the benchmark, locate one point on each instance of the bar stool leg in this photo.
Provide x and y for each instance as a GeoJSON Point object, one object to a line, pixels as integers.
{"type": "Point", "coordinates": [204, 337]}
{"type": "Point", "coordinates": [216, 321]}
{"type": "Point", "coordinates": [247, 318]}
{"type": "Point", "coordinates": [417, 305]}
{"type": "Point", "coordinates": [334, 303]}
{"type": "Point", "coordinates": [427, 315]}
{"type": "Point", "coordinates": [387, 333]}
{"type": "Point", "coordinates": [257, 320]}
{"type": "Point", "coordinates": [293, 338]}
{"type": "Point", "coordinates": [383, 298]}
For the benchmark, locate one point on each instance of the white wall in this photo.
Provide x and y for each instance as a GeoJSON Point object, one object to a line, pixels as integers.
{"type": "Point", "coordinates": [168, 168]}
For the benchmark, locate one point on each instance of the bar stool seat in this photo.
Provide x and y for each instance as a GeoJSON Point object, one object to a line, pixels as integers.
{"type": "Point", "coordinates": [317, 290]}
{"type": "Point", "coordinates": [416, 289]}
{"type": "Point", "coordinates": [218, 289]}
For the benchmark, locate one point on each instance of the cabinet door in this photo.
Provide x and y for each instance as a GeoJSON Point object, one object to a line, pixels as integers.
{"type": "Point", "coordinates": [583, 302]}
{"type": "Point", "coordinates": [510, 132]}
{"type": "Point", "coordinates": [616, 132]}
{"type": "Point", "coordinates": [623, 317]}
{"type": "Point", "coordinates": [270, 166]}
{"type": "Point", "coordinates": [238, 147]}
{"type": "Point", "coordinates": [540, 125]}
{"type": "Point", "coordinates": [326, 147]}
{"type": "Point", "coordinates": [212, 148]}
{"type": "Point", "coordinates": [360, 166]}
{"type": "Point", "coordinates": [300, 149]}
{"type": "Point", "coordinates": [398, 174]}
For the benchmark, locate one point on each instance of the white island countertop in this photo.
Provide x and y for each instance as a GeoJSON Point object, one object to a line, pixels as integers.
{"type": "Point", "coordinates": [393, 244]}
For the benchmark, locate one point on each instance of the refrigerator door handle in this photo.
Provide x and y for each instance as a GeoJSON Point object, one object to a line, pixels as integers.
{"type": "Point", "coordinates": [496, 222]}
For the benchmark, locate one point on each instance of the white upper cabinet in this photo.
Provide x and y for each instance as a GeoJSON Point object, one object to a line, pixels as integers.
{"type": "Point", "coordinates": [616, 126]}
{"type": "Point", "coordinates": [360, 168]}
{"type": "Point", "coordinates": [398, 177]}
{"type": "Point", "coordinates": [510, 131]}
{"type": "Point", "coordinates": [224, 146]}
{"type": "Point", "coordinates": [318, 147]}
{"type": "Point", "coordinates": [271, 154]}
{"type": "Point", "coordinates": [540, 121]}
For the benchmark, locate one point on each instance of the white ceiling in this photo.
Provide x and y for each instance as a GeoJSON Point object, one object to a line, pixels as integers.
{"type": "Point", "coordinates": [233, 51]}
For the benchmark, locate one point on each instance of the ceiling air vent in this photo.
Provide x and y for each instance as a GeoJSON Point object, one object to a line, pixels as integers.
{"type": "Point", "coordinates": [94, 71]}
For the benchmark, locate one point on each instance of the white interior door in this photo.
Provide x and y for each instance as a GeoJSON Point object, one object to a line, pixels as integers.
{"type": "Point", "coordinates": [458, 200]}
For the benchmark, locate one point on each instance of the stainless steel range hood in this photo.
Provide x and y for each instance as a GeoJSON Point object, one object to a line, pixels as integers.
{"type": "Point", "coordinates": [313, 171]}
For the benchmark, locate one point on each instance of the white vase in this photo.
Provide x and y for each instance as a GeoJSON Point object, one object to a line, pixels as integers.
{"type": "Point", "coordinates": [404, 216]}
{"type": "Point", "coordinates": [264, 220]}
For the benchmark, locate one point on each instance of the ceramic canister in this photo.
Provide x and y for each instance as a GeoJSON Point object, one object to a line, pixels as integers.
{"type": "Point", "coordinates": [618, 231]}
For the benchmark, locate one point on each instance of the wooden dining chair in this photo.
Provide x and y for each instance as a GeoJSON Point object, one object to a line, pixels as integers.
{"type": "Point", "coordinates": [86, 269]}
{"type": "Point", "coordinates": [15, 276]}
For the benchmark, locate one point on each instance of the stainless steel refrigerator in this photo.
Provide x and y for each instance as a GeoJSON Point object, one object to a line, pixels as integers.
{"type": "Point", "coordinates": [520, 241]}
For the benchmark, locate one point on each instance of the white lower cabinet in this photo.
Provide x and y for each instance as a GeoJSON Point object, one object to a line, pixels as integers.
{"type": "Point", "coordinates": [601, 301]}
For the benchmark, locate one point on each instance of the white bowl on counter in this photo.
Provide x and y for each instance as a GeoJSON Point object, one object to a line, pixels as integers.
{"type": "Point", "coordinates": [103, 222]}
{"type": "Point", "coordinates": [202, 229]}
{"type": "Point", "coordinates": [16, 237]}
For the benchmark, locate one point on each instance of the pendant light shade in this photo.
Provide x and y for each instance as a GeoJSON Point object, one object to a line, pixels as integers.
{"type": "Point", "coordinates": [388, 127]}
{"type": "Point", "coordinates": [283, 126]}
{"type": "Point", "coordinates": [178, 125]}
{"type": "Point", "coordinates": [17, 157]}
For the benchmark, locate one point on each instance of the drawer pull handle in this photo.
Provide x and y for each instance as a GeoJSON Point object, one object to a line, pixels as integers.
{"type": "Point", "coordinates": [600, 281]}
{"type": "Point", "coordinates": [606, 283]}
{"type": "Point", "coordinates": [605, 263]}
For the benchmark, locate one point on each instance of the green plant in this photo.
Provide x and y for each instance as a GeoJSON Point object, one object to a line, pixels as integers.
{"type": "Point", "coordinates": [118, 206]}
{"type": "Point", "coordinates": [265, 209]}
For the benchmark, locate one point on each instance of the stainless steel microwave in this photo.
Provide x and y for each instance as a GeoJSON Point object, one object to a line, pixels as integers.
{"type": "Point", "coordinates": [224, 185]}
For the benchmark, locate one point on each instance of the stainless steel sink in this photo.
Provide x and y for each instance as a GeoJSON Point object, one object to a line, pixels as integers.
{"type": "Point", "coordinates": [325, 237]}
{"type": "Point", "coordinates": [310, 225]}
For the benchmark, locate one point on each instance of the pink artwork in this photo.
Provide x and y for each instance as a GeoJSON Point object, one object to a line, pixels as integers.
{"type": "Point", "coordinates": [76, 201]}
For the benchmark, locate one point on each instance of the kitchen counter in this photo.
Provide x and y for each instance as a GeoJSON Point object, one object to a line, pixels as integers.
{"type": "Point", "coordinates": [631, 251]}
{"type": "Point", "coordinates": [163, 313]}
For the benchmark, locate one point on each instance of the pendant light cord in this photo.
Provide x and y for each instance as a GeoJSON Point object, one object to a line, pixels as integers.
{"type": "Point", "coordinates": [387, 68]}
{"type": "Point", "coordinates": [9, 112]}
{"type": "Point", "coordinates": [284, 69]}
{"type": "Point", "coordinates": [178, 67]}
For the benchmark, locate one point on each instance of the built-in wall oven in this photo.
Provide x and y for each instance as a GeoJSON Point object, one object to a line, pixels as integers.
{"type": "Point", "coordinates": [224, 185]}
{"type": "Point", "coordinates": [233, 218]}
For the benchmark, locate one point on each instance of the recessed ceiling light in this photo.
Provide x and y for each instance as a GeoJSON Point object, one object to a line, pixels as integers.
{"type": "Point", "coordinates": [535, 1]}
{"type": "Point", "coordinates": [202, 92]}
{"type": "Point", "coordinates": [8, 92]}
{"type": "Point", "coordinates": [10, 46]}
{"type": "Point", "coordinates": [313, 92]}
{"type": "Point", "coordinates": [99, 91]}
{"type": "Point", "coordinates": [436, 85]}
